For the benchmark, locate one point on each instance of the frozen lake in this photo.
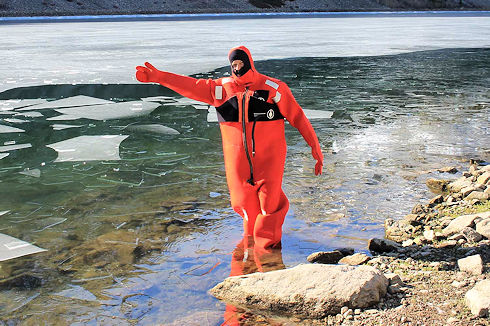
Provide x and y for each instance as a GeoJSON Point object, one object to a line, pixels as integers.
{"type": "Point", "coordinates": [123, 183]}
{"type": "Point", "coordinates": [107, 52]}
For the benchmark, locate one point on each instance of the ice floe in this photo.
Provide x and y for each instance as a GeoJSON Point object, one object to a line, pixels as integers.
{"type": "Point", "coordinates": [88, 148]}
{"type": "Point", "coordinates": [30, 114]}
{"type": "Point", "coordinates": [7, 129]}
{"type": "Point", "coordinates": [74, 101]}
{"type": "Point", "coordinates": [4, 155]}
{"type": "Point", "coordinates": [36, 173]}
{"type": "Point", "coordinates": [62, 126]}
{"type": "Point", "coordinates": [11, 247]}
{"type": "Point", "coordinates": [15, 120]}
{"type": "Point", "coordinates": [77, 292]}
{"type": "Point", "coordinates": [154, 128]}
{"type": "Point", "coordinates": [110, 111]}
{"type": "Point", "coordinates": [14, 104]}
{"type": "Point", "coordinates": [14, 147]}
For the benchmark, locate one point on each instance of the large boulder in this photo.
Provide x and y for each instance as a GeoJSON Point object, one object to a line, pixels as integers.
{"type": "Point", "coordinates": [471, 264]}
{"type": "Point", "coordinates": [459, 184]}
{"type": "Point", "coordinates": [307, 290]}
{"type": "Point", "coordinates": [478, 298]}
{"type": "Point", "coordinates": [483, 227]}
{"type": "Point", "coordinates": [460, 222]}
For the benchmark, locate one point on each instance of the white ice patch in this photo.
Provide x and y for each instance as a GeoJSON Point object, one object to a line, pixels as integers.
{"type": "Point", "coordinates": [7, 129]}
{"type": "Point", "coordinates": [4, 155]}
{"type": "Point", "coordinates": [89, 148]}
{"type": "Point", "coordinates": [317, 114]}
{"type": "Point", "coordinates": [78, 293]}
{"type": "Point", "coordinates": [184, 101]}
{"type": "Point", "coordinates": [30, 114]}
{"type": "Point", "coordinates": [14, 104]}
{"type": "Point", "coordinates": [212, 115]}
{"type": "Point", "coordinates": [111, 111]}
{"type": "Point", "coordinates": [154, 128]}
{"type": "Point", "coordinates": [11, 247]}
{"type": "Point", "coordinates": [63, 117]}
{"type": "Point", "coordinates": [15, 120]}
{"type": "Point", "coordinates": [3, 212]}
{"type": "Point", "coordinates": [62, 126]}
{"type": "Point", "coordinates": [74, 101]}
{"type": "Point", "coordinates": [36, 173]}
{"type": "Point", "coordinates": [14, 147]}
{"type": "Point", "coordinates": [159, 99]}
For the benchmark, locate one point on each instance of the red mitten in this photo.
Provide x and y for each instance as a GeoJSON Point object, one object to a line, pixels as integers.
{"type": "Point", "coordinates": [147, 74]}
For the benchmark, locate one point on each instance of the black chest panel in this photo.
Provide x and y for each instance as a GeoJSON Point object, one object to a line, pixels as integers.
{"type": "Point", "coordinates": [258, 109]}
{"type": "Point", "coordinates": [228, 111]}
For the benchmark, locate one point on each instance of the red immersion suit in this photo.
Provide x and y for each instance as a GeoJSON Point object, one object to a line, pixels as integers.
{"type": "Point", "coordinates": [251, 109]}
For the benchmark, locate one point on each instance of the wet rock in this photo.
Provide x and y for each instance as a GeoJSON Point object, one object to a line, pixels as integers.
{"type": "Point", "coordinates": [382, 245]}
{"type": "Point", "coordinates": [355, 259]}
{"type": "Point", "coordinates": [472, 264]}
{"type": "Point", "coordinates": [483, 228]}
{"type": "Point", "coordinates": [346, 251]}
{"type": "Point", "coordinates": [22, 281]}
{"type": "Point", "coordinates": [478, 299]}
{"type": "Point", "coordinates": [325, 257]}
{"type": "Point", "coordinates": [437, 185]}
{"type": "Point", "coordinates": [448, 169]}
{"type": "Point", "coordinates": [471, 235]}
{"type": "Point", "coordinates": [459, 223]}
{"type": "Point", "coordinates": [484, 178]}
{"type": "Point", "coordinates": [308, 290]}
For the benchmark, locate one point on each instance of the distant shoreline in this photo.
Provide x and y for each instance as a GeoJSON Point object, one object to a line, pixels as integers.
{"type": "Point", "coordinates": [238, 15]}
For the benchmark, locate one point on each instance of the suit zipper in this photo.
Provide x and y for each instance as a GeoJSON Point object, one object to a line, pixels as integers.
{"type": "Point", "coordinates": [244, 134]}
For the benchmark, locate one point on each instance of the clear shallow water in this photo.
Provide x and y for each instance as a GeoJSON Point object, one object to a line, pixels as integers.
{"type": "Point", "coordinates": [141, 239]}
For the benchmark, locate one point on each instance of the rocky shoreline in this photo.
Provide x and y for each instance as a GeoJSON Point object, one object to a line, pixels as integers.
{"type": "Point", "coordinates": [431, 269]}
{"type": "Point", "coordinates": [123, 7]}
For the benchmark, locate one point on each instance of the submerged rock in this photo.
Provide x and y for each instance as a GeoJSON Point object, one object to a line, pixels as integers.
{"type": "Point", "coordinates": [478, 299]}
{"type": "Point", "coordinates": [308, 290]}
{"type": "Point", "coordinates": [325, 257]}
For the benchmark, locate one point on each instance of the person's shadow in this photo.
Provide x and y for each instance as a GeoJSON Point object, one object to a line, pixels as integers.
{"type": "Point", "coordinates": [247, 259]}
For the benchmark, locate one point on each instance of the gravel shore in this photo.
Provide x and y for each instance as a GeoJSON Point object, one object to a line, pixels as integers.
{"type": "Point", "coordinates": [99, 7]}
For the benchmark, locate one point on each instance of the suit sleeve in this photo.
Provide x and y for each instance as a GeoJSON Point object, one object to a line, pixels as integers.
{"type": "Point", "coordinates": [202, 90]}
{"type": "Point", "coordinates": [293, 112]}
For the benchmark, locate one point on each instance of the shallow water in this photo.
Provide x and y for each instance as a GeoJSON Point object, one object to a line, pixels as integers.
{"type": "Point", "coordinates": [139, 237]}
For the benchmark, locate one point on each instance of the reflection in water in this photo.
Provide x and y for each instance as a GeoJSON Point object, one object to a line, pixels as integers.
{"type": "Point", "coordinates": [247, 259]}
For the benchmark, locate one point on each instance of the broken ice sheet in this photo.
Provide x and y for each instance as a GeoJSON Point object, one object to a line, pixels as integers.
{"type": "Point", "coordinates": [11, 247]}
{"type": "Point", "coordinates": [154, 128]}
{"type": "Point", "coordinates": [183, 101]}
{"type": "Point", "coordinates": [7, 129]}
{"type": "Point", "coordinates": [14, 147]}
{"type": "Point", "coordinates": [18, 103]}
{"type": "Point", "coordinates": [111, 111]}
{"type": "Point", "coordinates": [3, 212]}
{"type": "Point", "coordinates": [36, 173]}
{"type": "Point", "coordinates": [30, 114]}
{"type": "Point", "coordinates": [4, 155]}
{"type": "Point", "coordinates": [161, 99]}
{"type": "Point", "coordinates": [77, 292]}
{"type": "Point", "coordinates": [62, 126]}
{"type": "Point", "coordinates": [15, 120]}
{"type": "Point", "coordinates": [88, 148]}
{"type": "Point", "coordinates": [79, 100]}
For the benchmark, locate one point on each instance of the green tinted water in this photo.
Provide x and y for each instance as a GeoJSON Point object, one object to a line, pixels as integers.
{"type": "Point", "coordinates": [141, 239]}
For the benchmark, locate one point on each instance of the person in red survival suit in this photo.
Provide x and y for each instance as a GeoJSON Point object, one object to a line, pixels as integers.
{"type": "Point", "coordinates": [251, 109]}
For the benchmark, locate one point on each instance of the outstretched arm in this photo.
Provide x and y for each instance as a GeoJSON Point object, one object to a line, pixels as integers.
{"type": "Point", "coordinates": [197, 89]}
{"type": "Point", "coordinates": [293, 112]}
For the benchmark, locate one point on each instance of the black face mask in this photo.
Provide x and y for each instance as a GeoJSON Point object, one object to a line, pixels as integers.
{"type": "Point", "coordinates": [240, 55]}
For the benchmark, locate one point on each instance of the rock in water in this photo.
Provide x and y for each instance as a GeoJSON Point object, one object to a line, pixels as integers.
{"type": "Point", "coordinates": [325, 257]}
{"type": "Point", "coordinates": [307, 290]}
{"type": "Point", "coordinates": [478, 298]}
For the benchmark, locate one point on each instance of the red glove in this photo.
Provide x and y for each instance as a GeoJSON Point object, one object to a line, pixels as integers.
{"type": "Point", "coordinates": [148, 74]}
{"type": "Point", "coordinates": [318, 156]}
